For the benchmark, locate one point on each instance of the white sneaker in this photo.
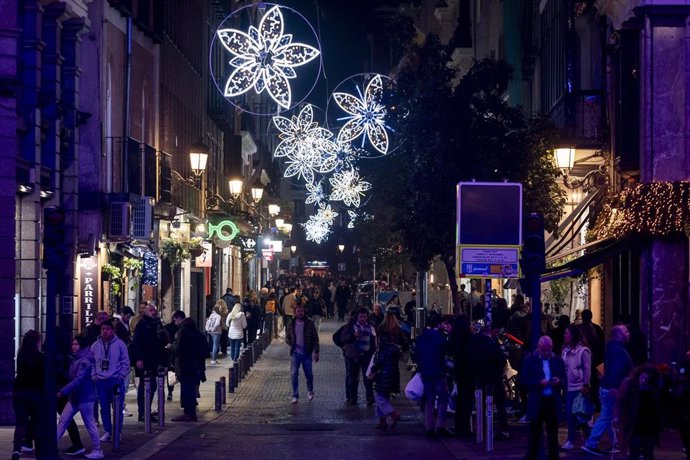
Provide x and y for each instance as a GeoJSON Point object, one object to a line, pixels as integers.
{"type": "Point", "coordinates": [96, 453]}
{"type": "Point", "coordinates": [126, 413]}
{"type": "Point", "coordinates": [294, 400]}
{"type": "Point", "coordinates": [567, 446]}
{"type": "Point", "coordinates": [214, 361]}
{"type": "Point", "coordinates": [105, 438]}
{"type": "Point", "coordinates": [310, 395]}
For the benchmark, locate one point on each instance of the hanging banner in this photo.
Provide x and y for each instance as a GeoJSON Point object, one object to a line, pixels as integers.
{"type": "Point", "coordinates": [88, 290]}
{"type": "Point", "coordinates": [206, 258]}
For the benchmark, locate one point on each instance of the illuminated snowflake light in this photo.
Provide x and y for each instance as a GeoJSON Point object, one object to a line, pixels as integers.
{"type": "Point", "coordinates": [326, 214]}
{"type": "Point", "coordinates": [353, 219]}
{"type": "Point", "coordinates": [307, 146]}
{"type": "Point", "coordinates": [348, 187]}
{"type": "Point", "coordinates": [264, 58]}
{"type": "Point", "coordinates": [316, 230]}
{"type": "Point", "coordinates": [315, 194]}
{"type": "Point", "coordinates": [366, 115]}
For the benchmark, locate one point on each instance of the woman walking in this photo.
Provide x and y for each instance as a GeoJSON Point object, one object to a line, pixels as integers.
{"type": "Point", "coordinates": [27, 391]}
{"type": "Point", "coordinates": [214, 329]}
{"type": "Point", "coordinates": [223, 311]}
{"type": "Point", "coordinates": [81, 392]}
{"type": "Point", "coordinates": [385, 371]}
{"type": "Point", "coordinates": [578, 369]}
{"type": "Point", "coordinates": [237, 323]}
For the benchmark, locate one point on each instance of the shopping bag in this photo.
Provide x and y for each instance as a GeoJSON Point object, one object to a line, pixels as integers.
{"type": "Point", "coordinates": [583, 408]}
{"type": "Point", "coordinates": [414, 388]}
{"type": "Point", "coordinates": [370, 369]}
{"type": "Point", "coordinates": [172, 378]}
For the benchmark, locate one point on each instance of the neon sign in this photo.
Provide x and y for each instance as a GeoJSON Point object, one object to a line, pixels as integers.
{"type": "Point", "coordinates": [227, 235]}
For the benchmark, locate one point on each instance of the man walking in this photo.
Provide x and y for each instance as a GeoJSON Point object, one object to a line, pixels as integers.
{"type": "Point", "coordinates": [190, 350]}
{"type": "Point", "coordinates": [342, 296]}
{"type": "Point", "coordinates": [146, 354]}
{"type": "Point", "coordinates": [430, 354]}
{"type": "Point", "coordinates": [111, 369]}
{"type": "Point", "coordinates": [617, 366]}
{"type": "Point", "coordinates": [358, 340]}
{"type": "Point", "coordinates": [303, 340]}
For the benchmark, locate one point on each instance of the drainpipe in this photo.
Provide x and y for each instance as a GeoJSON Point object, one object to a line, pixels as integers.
{"type": "Point", "coordinates": [125, 117]}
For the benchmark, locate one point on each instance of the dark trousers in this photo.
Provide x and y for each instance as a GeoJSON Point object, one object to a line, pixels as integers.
{"type": "Point", "coordinates": [224, 342]}
{"type": "Point", "coordinates": [641, 445]}
{"type": "Point", "coordinates": [353, 368]}
{"type": "Point", "coordinates": [547, 416]}
{"type": "Point", "coordinates": [252, 327]}
{"type": "Point", "coordinates": [188, 387]}
{"type": "Point", "coordinates": [342, 307]}
{"type": "Point", "coordinates": [141, 390]}
{"type": "Point", "coordinates": [27, 413]}
{"type": "Point", "coordinates": [463, 408]}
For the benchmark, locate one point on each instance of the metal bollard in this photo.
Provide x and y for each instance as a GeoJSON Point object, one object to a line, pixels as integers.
{"type": "Point", "coordinates": [222, 384]}
{"type": "Point", "coordinates": [147, 404]}
{"type": "Point", "coordinates": [253, 354]}
{"type": "Point", "coordinates": [489, 420]}
{"type": "Point", "coordinates": [219, 396]}
{"type": "Point", "coordinates": [235, 375]}
{"type": "Point", "coordinates": [479, 418]}
{"type": "Point", "coordinates": [117, 416]}
{"type": "Point", "coordinates": [231, 380]}
{"type": "Point", "coordinates": [161, 400]}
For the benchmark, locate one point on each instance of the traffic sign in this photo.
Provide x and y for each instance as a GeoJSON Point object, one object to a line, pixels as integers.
{"type": "Point", "coordinates": [488, 262]}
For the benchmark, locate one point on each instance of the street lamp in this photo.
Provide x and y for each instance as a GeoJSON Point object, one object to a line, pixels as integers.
{"type": "Point", "coordinates": [198, 156]}
{"type": "Point", "coordinates": [280, 222]}
{"type": "Point", "coordinates": [257, 192]}
{"type": "Point", "coordinates": [273, 210]}
{"type": "Point", "coordinates": [235, 187]}
{"type": "Point", "coordinates": [596, 178]}
{"type": "Point", "coordinates": [286, 228]}
{"type": "Point", "coordinates": [293, 249]}
{"type": "Point", "coordinates": [565, 158]}
{"type": "Point", "coordinates": [341, 247]}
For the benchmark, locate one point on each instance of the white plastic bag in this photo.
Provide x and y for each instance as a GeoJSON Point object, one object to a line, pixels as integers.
{"type": "Point", "coordinates": [370, 374]}
{"type": "Point", "coordinates": [414, 390]}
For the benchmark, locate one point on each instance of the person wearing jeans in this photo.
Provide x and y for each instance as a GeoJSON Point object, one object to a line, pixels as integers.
{"type": "Point", "coordinates": [81, 393]}
{"type": "Point", "coordinates": [303, 339]}
{"type": "Point", "coordinates": [110, 370]}
{"type": "Point", "coordinates": [430, 354]}
{"type": "Point", "coordinates": [237, 323]}
{"type": "Point", "coordinates": [214, 329]}
{"type": "Point", "coordinates": [578, 364]}
{"type": "Point", "coordinates": [617, 366]}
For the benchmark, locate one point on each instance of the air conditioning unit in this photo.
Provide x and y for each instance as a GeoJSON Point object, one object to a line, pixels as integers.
{"type": "Point", "coordinates": [120, 220]}
{"type": "Point", "coordinates": [143, 219]}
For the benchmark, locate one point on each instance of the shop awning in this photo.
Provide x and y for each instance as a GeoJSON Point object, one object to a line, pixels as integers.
{"type": "Point", "coordinates": [595, 255]}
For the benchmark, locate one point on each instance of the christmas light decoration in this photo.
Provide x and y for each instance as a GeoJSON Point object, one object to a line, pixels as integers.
{"type": "Point", "coordinates": [316, 230]}
{"type": "Point", "coordinates": [654, 209]}
{"type": "Point", "coordinates": [315, 194]}
{"type": "Point", "coordinates": [149, 274]}
{"type": "Point", "coordinates": [264, 58]}
{"type": "Point", "coordinates": [366, 115]}
{"type": "Point", "coordinates": [348, 187]}
{"type": "Point", "coordinates": [353, 219]}
{"type": "Point", "coordinates": [326, 214]}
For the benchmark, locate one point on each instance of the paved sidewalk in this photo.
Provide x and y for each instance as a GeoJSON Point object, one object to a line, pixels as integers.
{"type": "Point", "coordinates": [259, 422]}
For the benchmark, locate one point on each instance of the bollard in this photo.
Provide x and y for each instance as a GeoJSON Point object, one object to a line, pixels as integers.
{"type": "Point", "coordinates": [222, 384]}
{"type": "Point", "coordinates": [231, 380]}
{"type": "Point", "coordinates": [489, 420]}
{"type": "Point", "coordinates": [147, 404]}
{"type": "Point", "coordinates": [219, 396]}
{"type": "Point", "coordinates": [117, 416]}
{"type": "Point", "coordinates": [253, 354]}
{"type": "Point", "coordinates": [235, 375]}
{"type": "Point", "coordinates": [161, 400]}
{"type": "Point", "coordinates": [479, 417]}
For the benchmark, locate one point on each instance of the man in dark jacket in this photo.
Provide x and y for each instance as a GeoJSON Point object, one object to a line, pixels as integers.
{"type": "Point", "coordinates": [190, 350]}
{"type": "Point", "coordinates": [342, 296]}
{"type": "Point", "coordinates": [617, 366]}
{"type": "Point", "coordinates": [171, 329]}
{"type": "Point", "coordinates": [303, 340]}
{"type": "Point", "coordinates": [430, 355]}
{"type": "Point", "coordinates": [146, 354]}
{"type": "Point", "coordinates": [543, 374]}
{"type": "Point", "coordinates": [93, 330]}
{"type": "Point", "coordinates": [358, 338]}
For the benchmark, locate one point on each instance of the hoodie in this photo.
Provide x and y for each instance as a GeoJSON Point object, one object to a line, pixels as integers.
{"type": "Point", "coordinates": [116, 356]}
{"type": "Point", "coordinates": [80, 388]}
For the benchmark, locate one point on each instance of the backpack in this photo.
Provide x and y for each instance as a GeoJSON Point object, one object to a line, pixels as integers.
{"type": "Point", "coordinates": [337, 340]}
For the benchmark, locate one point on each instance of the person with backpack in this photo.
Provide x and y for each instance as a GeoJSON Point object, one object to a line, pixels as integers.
{"type": "Point", "coordinates": [358, 339]}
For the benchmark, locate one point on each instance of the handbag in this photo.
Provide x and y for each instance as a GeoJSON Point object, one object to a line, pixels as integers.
{"type": "Point", "coordinates": [582, 409]}
{"type": "Point", "coordinates": [414, 388]}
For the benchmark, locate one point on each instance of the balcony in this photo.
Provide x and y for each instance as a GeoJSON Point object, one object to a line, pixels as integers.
{"type": "Point", "coordinates": [581, 118]}
{"type": "Point", "coordinates": [142, 175]}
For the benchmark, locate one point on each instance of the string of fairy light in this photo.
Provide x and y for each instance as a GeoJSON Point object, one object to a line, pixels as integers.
{"type": "Point", "coordinates": [653, 209]}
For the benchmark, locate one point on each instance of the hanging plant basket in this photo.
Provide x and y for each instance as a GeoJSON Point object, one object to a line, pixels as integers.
{"type": "Point", "coordinates": [174, 251]}
{"type": "Point", "coordinates": [196, 252]}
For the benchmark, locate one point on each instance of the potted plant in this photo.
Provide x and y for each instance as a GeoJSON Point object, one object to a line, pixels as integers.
{"type": "Point", "coordinates": [112, 273]}
{"type": "Point", "coordinates": [174, 251]}
{"type": "Point", "coordinates": [195, 246]}
{"type": "Point", "coordinates": [130, 263]}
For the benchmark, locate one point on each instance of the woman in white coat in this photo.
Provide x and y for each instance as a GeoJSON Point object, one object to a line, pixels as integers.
{"type": "Point", "coordinates": [236, 323]}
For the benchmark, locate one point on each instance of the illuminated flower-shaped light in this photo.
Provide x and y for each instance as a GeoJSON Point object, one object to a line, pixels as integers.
{"type": "Point", "coordinates": [300, 132]}
{"type": "Point", "coordinates": [264, 58]}
{"type": "Point", "coordinates": [347, 155]}
{"type": "Point", "coordinates": [315, 194]}
{"type": "Point", "coordinates": [348, 187]}
{"type": "Point", "coordinates": [353, 219]}
{"type": "Point", "coordinates": [366, 115]}
{"type": "Point", "coordinates": [326, 214]}
{"type": "Point", "coordinates": [316, 230]}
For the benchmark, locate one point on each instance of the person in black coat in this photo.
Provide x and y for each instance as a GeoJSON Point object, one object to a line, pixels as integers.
{"type": "Point", "coordinates": [27, 392]}
{"type": "Point", "coordinates": [147, 353]}
{"type": "Point", "coordinates": [543, 375]}
{"type": "Point", "coordinates": [190, 350]}
{"type": "Point", "coordinates": [465, 376]}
